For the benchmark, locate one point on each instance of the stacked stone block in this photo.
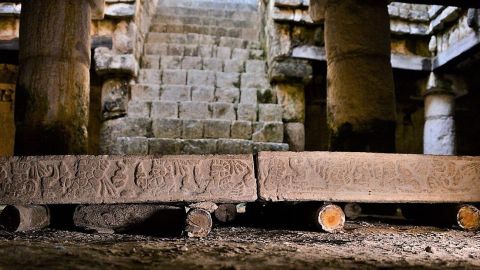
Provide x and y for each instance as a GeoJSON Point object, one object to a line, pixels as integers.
{"type": "Point", "coordinates": [202, 86]}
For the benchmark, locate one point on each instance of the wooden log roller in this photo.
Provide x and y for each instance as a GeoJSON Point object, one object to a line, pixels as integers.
{"type": "Point", "coordinates": [17, 218]}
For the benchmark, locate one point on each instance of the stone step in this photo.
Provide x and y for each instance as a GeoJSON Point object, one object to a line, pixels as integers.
{"type": "Point", "coordinates": [194, 77]}
{"type": "Point", "coordinates": [213, 51]}
{"type": "Point", "coordinates": [249, 33]}
{"type": "Point", "coordinates": [129, 179]}
{"type": "Point", "coordinates": [200, 39]}
{"type": "Point", "coordinates": [176, 93]}
{"type": "Point", "coordinates": [155, 146]}
{"type": "Point", "coordinates": [206, 8]}
{"type": "Point", "coordinates": [203, 63]}
{"type": "Point", "coordinates": [200, 110]}
{"type": "Point", "coordinates": [203, 20]}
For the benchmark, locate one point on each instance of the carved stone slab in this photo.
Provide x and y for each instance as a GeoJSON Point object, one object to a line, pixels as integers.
{"type": "Point", "coordinates": [126, 179]}
{"type": "Point", "coordinates": [367, 177]}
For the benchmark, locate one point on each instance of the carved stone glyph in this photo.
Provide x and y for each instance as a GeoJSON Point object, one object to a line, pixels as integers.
{"type": "Point", "coordinates": [362, 177]}
{"type": "Point", "coordinates": [126, 179]}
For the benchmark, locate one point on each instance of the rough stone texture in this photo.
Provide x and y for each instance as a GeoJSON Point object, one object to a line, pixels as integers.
{"type": "Point", "coordinates": [234, 146]}
{"type": "Point", "coordinates": [290, 70]}
{"type": "Point", "coordinates": [295, 136]}
{"type": "Point", "coordinates": [138, 109]}
{"type": "Point", "coordinates": [131, 218]}
{"type": "Point", "coordinates": [225, 111]}
{"type": "Point", "coordinates": [268, 132]}
{"type": "Point", "coordinates": [164, 109]}
{"type": "Point", "coordinates": [175, 93]}
{"type": "Point", "coordinates": [167, 128]}
{"type": "Point", "coordinates": [192, 129]}
{"type": "Point", "coordinates": [362, 177]}
{"type": "Point", "coordinates": [114, 98]}
{"type": "Point", "coordinates": [229, 95]}
{"type": "Point", "coordinates": [247, 112]}
{"type": "Point", "coordinates": [203, 93]}
{"type": "Point", "coordinates": [241, 130]}
{"type": "Point", "coordinates": [439, 131]}
{"type": "Point", "coordinates": [132, 146]}
{"type": "Point", "coordinates": [109, 63]}
{"type": "Point", "coordinates": [145, 92]}
{"type": "Point", "coordinates": [292, 99]}
{"type": "Point", "coordinates": [194, 110]}
{"type": "Point", "coordinates": [126, 179]}
{"type": "Point", "coordinates": [357, 46]}
{"type": "Point", "coordinates": [54, 79]}
{"type": "Point", "coordinates": [269, 113]}
{"type": "Point", "coordinates": [217, 129]}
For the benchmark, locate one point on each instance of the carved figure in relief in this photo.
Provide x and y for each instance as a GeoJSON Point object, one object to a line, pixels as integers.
{"type": "Point", "coordinates": [272, 173]}
{"type": "Point", "coordinates": [54, 178]}
{"type": "Point", "coordinates": [89, 180]}
{"type": "Point", "coordinates": [167, 176]}
{"type": "Point", "coordinates": [230, 175]}
{"type": "Point", "coordinates": [450, 177]}
{"type": "Point", "coordinates": [23, 178]}
{"type": "Point", "coordinates": [407, 180]}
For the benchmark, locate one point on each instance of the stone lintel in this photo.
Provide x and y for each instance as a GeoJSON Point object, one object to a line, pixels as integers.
{"type": "Point", "coordinates": [126, 179]}
{"type": "Point", "coordinates": [367, 177]}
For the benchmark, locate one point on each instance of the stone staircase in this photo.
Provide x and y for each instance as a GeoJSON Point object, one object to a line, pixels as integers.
{"type": "Point", "coordinates": [202, 86]}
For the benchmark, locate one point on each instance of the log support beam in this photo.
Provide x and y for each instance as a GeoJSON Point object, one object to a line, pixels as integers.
{"type": "Point", "coordinates": [18, 218]}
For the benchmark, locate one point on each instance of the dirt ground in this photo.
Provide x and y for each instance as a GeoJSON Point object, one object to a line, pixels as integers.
{"type": "Point", "coordinates": [362, 245]}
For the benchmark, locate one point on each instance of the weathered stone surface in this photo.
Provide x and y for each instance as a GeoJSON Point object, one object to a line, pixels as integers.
{"type": "Point", "coordinates": [132, 146]}
{"type": "Point", "coordinates": [268, 132]}
{"type": "Point", "coordinates": [362, 177]}
{"type": "Point", "coordinates": [295, 70]}
{"type": "Point", "coordinates": [107, 63]}
{"type": "Point", "coordinates": [167, 128]}
{"type": "Point", "coordinates": [295, 136]}
{"type": "Point", "coordinates": [114, 98]}
{"type": "Point", "coordinates": [234, 146]}
{"type": "Point", "coordinates": [217, 129]}
{"type": "Point", "coordinates": [192, 129]}
{"type": "Point", "coordinates": [292, 99]}
{"type": "Point", "coordinates": [241, 130]}
{"type": "Point", "coordinates": [164, 109]}
{"type": "Point", "coordinates": [247, 112]}
{"type": "Point", "coordinates": [228, 95]}
{"type": "Point", "coordinates": [126, 179]}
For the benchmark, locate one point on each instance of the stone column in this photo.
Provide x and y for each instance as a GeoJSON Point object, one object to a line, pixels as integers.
{"type": "Point", "coordinates": [439, 130]}
{"type": "Point", "coordinates": [53, 87]}
{"type": "Point", "coordinates": [360, 95]}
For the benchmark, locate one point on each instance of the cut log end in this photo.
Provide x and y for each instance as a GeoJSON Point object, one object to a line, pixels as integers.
{"type": "Point", "coordinates": [226, 213]}
{"type": "Point", "coordinates": [331, 218]}
{"type": "Point", "coordinates": [468, 217]}
{"type": "Point", "coordinates": [198, 223]}
{"type": "Point", "coordinates": [17, 218]}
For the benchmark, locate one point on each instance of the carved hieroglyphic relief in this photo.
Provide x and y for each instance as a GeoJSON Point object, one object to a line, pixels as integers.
{"type": "Point", "coordinates": [122, 179]}
{"type": "Point", "coordinates": [360, 177]}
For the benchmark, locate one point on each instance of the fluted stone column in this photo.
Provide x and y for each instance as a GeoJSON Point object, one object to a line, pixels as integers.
{"type": "Point", "coordinates": [53, 87]}
{"type": "Point", "coordinates": [439, 130]}
{"type": "Point", "coordinates": [360, 96]}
